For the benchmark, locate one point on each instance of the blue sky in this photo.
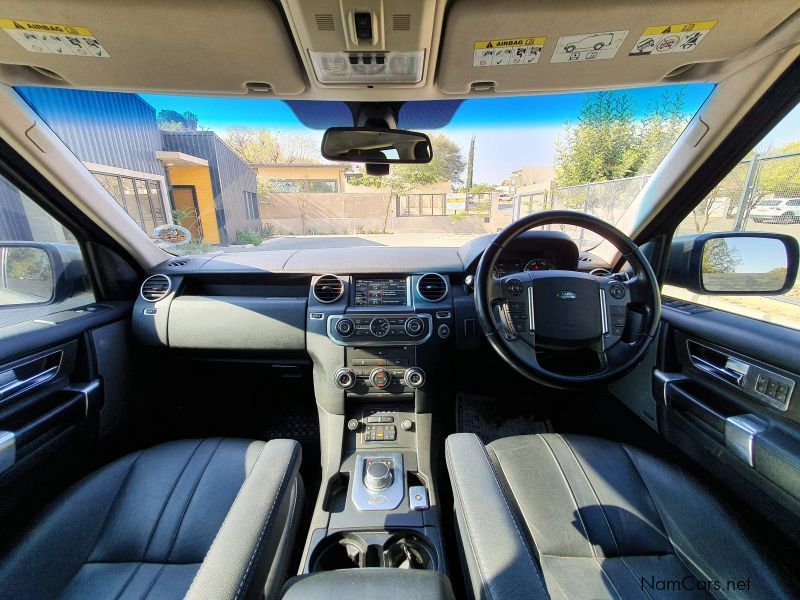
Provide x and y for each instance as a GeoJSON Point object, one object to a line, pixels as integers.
{"type": "Point", "coordinates": [511, 132]}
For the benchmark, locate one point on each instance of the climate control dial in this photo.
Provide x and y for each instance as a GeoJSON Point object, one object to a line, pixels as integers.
{"type": "Point", "coordinates": [380, 378]}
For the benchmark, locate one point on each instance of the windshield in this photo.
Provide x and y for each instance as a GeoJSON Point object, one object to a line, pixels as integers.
{"type": "Point", "coordinates": [243, 174]}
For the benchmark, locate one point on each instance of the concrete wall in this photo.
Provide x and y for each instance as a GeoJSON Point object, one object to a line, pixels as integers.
{"type": "Point", "coordinates": [354, 213]}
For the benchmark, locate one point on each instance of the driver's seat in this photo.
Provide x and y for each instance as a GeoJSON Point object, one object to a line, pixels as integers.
{"type": "Point", "coordinates": [567, 516]}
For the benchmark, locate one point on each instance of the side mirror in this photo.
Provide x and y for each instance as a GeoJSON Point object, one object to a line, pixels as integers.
{"type": "Point", "coordinates": [171, 235]}
{"type": "Point", "coordinates": [27, 275]}
{"type": "Point", "coordinates": [737, 263]}
{"type": "Point", "coordinates": [376, 146]}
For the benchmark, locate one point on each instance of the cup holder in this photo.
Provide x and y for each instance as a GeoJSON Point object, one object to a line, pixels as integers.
{"type": "Point", "coordinates": [401, 550]}
{"type": "Point", "coordinates": [408, 551]}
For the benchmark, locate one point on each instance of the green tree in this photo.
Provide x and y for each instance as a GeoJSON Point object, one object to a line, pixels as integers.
{"type": "Point", "coordinates": [718, 257]}
{"type": "Point", "coordinates": [171, 120]}
{"type": "Point", "coordinates": [264, 147]}
{"type": "Point", "coordinates": [781, 176]}
{"type": "Point", "coordinates": [610, 142]}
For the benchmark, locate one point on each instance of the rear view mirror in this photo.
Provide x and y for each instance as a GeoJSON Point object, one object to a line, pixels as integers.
{"type": "Point", "coordinates": [26, 275]}
{"type": "Point", "coordinates": [734, 263]}
{"type": "Point", "coordinates": [377, 146]}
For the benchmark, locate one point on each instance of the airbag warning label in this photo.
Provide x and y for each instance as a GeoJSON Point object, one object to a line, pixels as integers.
{"type": "Point", "coordinates": [665, 39]}
{"type": "Point", "coordinates": [50, 38]}
{"type": "Point", "coordinates": [517, 51]}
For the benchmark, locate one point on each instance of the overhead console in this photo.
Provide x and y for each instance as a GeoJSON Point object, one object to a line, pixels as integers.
{"type": "Point", "coordinates": [556, 45]}
{"type": "Point", "coordinates": [382, 43]}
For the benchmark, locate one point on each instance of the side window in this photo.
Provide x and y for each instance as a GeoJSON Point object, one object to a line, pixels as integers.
{"type": "Point", "coordinates": [41, 266]}
{"type": "Point", "coordinates": [761, 193]}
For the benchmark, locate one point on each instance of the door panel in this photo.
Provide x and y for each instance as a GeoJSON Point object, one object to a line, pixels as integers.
{"type": "Point", "coordinates": [727, 391]}
{"type": "Point", "coordinates": [52, 394]}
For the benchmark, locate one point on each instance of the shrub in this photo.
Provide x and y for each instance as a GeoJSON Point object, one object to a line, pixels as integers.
{"type": "Point", "coordinates": [248, 236]}
{"type": "Point", "coordinates": [267, 230]}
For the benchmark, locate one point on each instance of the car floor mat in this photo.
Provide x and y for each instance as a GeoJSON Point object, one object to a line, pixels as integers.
{"type": "Point", "coordinates": [491, 418]}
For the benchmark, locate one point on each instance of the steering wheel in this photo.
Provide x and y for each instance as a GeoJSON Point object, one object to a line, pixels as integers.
{"type": "Point", "coordinates": [526, 316]}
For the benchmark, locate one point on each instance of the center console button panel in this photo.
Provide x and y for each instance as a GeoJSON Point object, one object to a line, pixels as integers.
{"type": "Point", "coordinates": [385, 329]}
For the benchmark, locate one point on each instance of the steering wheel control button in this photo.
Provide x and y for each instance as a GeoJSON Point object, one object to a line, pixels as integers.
{"type": "Point", "coordinates": [379, 326]}
{"type": "Point", "coordinates": [345, 378]}
{"type": "Point", "coordinates": [377, 475]}
{"type": "Point", "coordinates": [380, 378]}
{"type": "Point", "coordinates": [514, 287]}
{"type": "Point", "coordinates": [406, 424]}
{"type": "Point", "coordinates": [414, 326]}
{"type": "Point", "coordinates": [444, 331]}
{"type": "Point", "coordinates": [415, 377]}
{"type": "Point", "coordinates": [345, 327]}
{"type": "Point", "coordinates": [353, 425]}
{"type": "Point", "coordinates": [617, 291]}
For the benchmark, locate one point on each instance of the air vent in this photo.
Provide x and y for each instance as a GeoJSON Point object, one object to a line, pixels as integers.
{"type": "Point", "coordinates": [156, 287]}
{"type": "Point", "coordinates": [470, 328]}
{"type": "Point", "coordinates": [432, 287]}
{"type": "Point", "coordinates": [325, 22]}
{"type": "Point", "coordinates": [178, 263]}
{"type": "Point", "coordinates": [328, 288]}
{"type": "Point", "coordinates": [401, 22]}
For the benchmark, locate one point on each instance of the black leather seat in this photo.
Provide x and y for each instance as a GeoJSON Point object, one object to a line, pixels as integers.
{"type": "Point", "coordinates": [208, 518]}
{"type": "Point", "coordinates": [579, 517]}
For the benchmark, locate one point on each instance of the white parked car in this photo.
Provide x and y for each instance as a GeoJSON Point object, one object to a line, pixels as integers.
{"type": "Point", "coordinates": [780, 210]}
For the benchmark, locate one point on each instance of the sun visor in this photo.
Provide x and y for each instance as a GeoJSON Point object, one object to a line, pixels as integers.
{"type": "Point", "coordinates": [205, 46]}
{"type": "Point", "coordinates": [551, 45]}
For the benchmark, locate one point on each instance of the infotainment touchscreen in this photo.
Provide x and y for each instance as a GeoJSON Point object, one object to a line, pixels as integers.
{"type": "Point", "coordinates": [381, 292]}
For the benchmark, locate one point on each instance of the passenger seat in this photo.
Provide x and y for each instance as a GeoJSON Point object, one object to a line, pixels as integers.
{"type": "Point", "coordinates": [213, 518]}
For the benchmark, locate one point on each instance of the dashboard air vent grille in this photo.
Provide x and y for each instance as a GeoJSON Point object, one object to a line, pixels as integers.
{"type": "Point", "coordinates": [325, 22]}
{"type": "Point", "coordinates": [156, 287]}
{"type": "Point", "coordinates": [178, 263]}
{"type": "Point", "coordinates": [401, 22]}
{"type": "Point", "coordinates": [328, 288]}
{"type": "Point", "coordinates": [432, 287]}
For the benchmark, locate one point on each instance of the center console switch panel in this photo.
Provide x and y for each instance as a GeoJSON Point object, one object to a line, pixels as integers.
{"type": "Point", "coordinates": [376, 370]}
{"type": "Point", "coordinates": [379, 329]}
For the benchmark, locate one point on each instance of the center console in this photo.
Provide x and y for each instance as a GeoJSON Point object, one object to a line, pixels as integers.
{"type": "Point", "coordinates": [378, 344]}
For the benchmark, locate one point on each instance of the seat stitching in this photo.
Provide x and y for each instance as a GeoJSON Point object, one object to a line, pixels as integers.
{"type": "Point", "coordinates": [111, 506]}
{"type": "Point", "coordinates": [602, 511]}
{"type": "Point", "coordinates": [127, 581]}
{"type": "Point", "coordinates": [513, 520]}
{"type": "Point", "coordinates": [572, 495]}
{"type": "Point", "coordinates": [167, 499]}
{"type": "Point", "coordinates": [286, 554]}
{"type": "Point", "coordinates": [268, 521]}
{"type": "Point", "coordinates": [458, 496]}
{"type": "Point", "coordinates": [680, 555]}
{"type": "Point", "coordinates": [153, 581]}
{"type": "Point", "coordinates": [189, 500]}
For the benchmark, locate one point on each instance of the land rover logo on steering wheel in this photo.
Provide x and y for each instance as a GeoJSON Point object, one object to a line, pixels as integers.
{"type": "Point", "coordinates": [567, 295]}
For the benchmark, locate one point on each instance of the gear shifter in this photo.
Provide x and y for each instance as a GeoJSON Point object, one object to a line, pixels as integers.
{"type": "Point", "coordinates": [378, 476]}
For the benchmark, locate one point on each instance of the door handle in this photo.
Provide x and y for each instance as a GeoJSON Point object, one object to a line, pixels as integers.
{"type": "Point", "coordinates": [29, 375]}
{"type": "Point", "coordinates": [725, 373]}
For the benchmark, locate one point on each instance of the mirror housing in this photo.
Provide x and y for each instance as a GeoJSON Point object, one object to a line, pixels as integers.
{"type": "Point", "coordinates": [40, 273]}
{"type": "Point", "coordinates": [376, 146]}
{"type": "Point", "coordinates": [170, 235]}
{"type": "Point", "coordinates": [717, 263]}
